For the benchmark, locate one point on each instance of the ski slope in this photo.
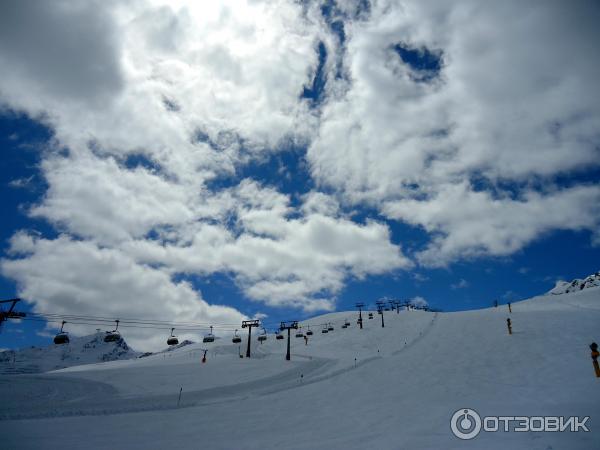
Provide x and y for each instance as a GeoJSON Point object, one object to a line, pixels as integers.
{"type": "Point", "coordinates": [382, 388]}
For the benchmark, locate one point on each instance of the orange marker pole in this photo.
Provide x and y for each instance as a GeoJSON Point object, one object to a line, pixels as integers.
{"type": "Point", "coordinates": [595, 354]}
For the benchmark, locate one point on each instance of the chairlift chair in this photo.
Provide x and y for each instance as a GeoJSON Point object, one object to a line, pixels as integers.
{"type": "Point", "coordinates": [330, 327]}
{"type": "Point", "coordinates": [278, 335]}
{"type": "Point", "coordinates": [325, 330]}
{"type": "Point", "coordinates": [299, 333]}
{"type": "Point", "coordinates": [210, 337]}
{"type": "Point", "coordinates": [309, 332]}
{"type": "Point", "coordinates": [262, 337]}
{"type": "Point", "coordinates": [114, 335]}
{"type": "Point", "coordinates": [62, 337]}
{"type": "Point", "coordinates": [236, 338]}
{"type": "Point", "coordinates": [172, 340]}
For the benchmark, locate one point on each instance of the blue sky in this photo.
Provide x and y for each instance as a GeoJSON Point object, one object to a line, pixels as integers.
{"type": "Point", "coordinates": [345, 152]}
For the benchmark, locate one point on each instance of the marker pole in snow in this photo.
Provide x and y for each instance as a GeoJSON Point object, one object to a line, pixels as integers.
{"type": "Point", "coordinates": [509, 308]}
{"type": "Point", "coordinates": [595, 354]}
{"type": "Point", "coordinates": [249, 324]}
{"type": "Point", "coordinates": [360, 306]}
{"type": "Point", "coordinates": [288, 326]}
{"type": "Point", "coordinates": [179, 399]}
{"type": "Point", "coordinates": [509, 325]}
{"type": "Point", "coordinates": [204, 357]}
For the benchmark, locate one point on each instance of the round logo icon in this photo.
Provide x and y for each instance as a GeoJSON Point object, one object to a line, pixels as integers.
{"type": "Point", "coordinates": [465, 423]}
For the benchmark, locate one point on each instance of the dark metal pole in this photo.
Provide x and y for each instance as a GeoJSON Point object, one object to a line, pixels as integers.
{"type": "Point", "coordinates": [380, 311]}
{"type": "Point", "coordinates": [287, 355]}
{"type": "Point", "coordinates": [360, 319]}
{"type": "Point", "coordinates": [249, 339]}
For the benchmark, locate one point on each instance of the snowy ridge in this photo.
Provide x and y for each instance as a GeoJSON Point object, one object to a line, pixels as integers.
{"type": "Point", "coordinates": [565, 287]}
{"type": "Point", "coordinates": [81, 350]}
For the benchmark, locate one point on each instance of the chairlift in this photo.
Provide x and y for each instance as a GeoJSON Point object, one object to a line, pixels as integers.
{"type": "Point", "coordinates": [263, 336]}
{"type": "Point", "coordinates": [299, 333]}
{"type": "Point", "coordinates": [62, 337]}
{"type": "Point", "coordinates": [172, 340]}
{"type": "Point", "coordinates": [309, 332]}
{"type": "Point", "coordinates": [325, 330]}
{"type": "Point", "coordinates": [236, 338]}
{"type": "Point", "coordinates": [114, 335]}
{"type": "Point", "coordinates": [330, 327]}
{"type": "Point", "coordinates": [210, 337]}
{"type": "Point", "coordinates": [370, 315]}
{"type": "Point", "coordinates": [278, 335]}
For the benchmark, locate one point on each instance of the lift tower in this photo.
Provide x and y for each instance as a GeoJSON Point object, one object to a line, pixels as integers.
{"type": "Point", "coordinates": [10, 313]}
{"type": "Point", "coordinates": [380, 306]}
{"type": "Point", "coordinates": [288, 326]}
{"type": "Point", "coordinates": [360, 306]}
{"type": "Point", "coordinates": [249, 324]}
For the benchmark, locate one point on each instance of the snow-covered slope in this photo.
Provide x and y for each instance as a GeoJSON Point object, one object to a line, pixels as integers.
{"type": "Point", "coordinates": [383, 388]}
{"type": "Point", "coordinates": [564, 287]}
{"type": "Point", "coordinates": [80, 350]}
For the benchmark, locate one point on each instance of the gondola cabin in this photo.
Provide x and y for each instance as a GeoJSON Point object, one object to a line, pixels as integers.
{"type": "Point", "coordinates": [210, 337]}
{"type": "Point", "coordinates": [114, 335]}
{"type": "Point", "coordinates": [172, 340]}
{"type": "Point", "coordinates": [61, 338]}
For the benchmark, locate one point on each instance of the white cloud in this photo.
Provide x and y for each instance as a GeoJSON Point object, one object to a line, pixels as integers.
{"type": "Point", "coordinates": [465, 223]}
{"type": "Point", "coordinates": [150, 77]}
{"type": "Point", "coordinates": [278, 259]}
{"type": "Point", "coordinates": [65, 276]}
{"type": "Point", "coordinates": [196, 90]}
{"type": "Point", "coordinates": [460, 284]}
{"type": "Point", "coordinates": [418, 301]}
{"type": "Point", "coordinates": [515, 102]}
{"type": "Point", "coordinates": [95, 198]}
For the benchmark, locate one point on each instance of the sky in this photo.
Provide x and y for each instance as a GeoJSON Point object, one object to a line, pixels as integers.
{"type": "Point", "coordinates": [219, 161]}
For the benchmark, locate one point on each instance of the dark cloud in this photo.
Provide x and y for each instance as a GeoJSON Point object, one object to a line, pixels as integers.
{"type": "Point", "coordinates": [69, 47]}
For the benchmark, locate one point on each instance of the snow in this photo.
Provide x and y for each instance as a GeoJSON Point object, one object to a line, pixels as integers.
{"type": "Point", "coordinates": [384, 388]}
{"type": "Point", "coordinates": [80, 350]}
{"type": "Point", "coordinates": [564, 287]}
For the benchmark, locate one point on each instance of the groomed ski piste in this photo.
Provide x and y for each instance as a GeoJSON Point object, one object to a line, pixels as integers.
{"type": "Point", "coordinates": [376, 388]}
